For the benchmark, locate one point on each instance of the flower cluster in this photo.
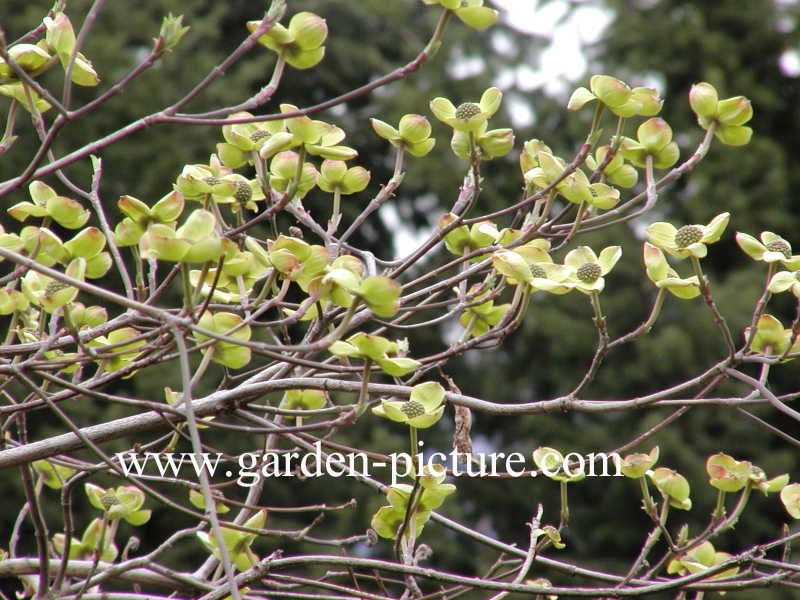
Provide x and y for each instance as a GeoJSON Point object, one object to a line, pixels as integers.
{"type": "Point", "coordinates": [389, 355]}
{"type": "Point", "coordinates": [531, 264]}
{"type": "Point", "coordinates": [470, 12]}
{"type": "Point", "coordinates": [58, 46]}
{"type": "Point", "coordinates": [301, 44]}
{"type": "Point", "coordinates": [541, 169]}
{"type": "Point", "coordinates": [411, 508]}
{"type": "Point", "coordinates": [618, 97]}
{"type": "Point", "coordinates": [688, 240]}
{"type": "Point", "coordinates": [469, 120]}
{"type": "Point", "coordinates": [727, 116]}
{"type": "Point", "coordinates": [422, 410]}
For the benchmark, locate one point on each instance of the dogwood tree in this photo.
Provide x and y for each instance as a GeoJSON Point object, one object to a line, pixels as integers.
{"type": "Point", "coordinates": [278, 343]}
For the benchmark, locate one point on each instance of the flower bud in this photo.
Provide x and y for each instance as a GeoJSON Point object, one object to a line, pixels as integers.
{"type": "Point", "coordinates": [625, 176]}
{"type": "Point", "coordinates": [67, 212]}
{"type": "Point", "coordinates": [355, 180]}
{"type": "Point", "coordinates": [28, 56]}
{"type": "Point", "coordinates": [284, 261]}
{"type": "Point", "coordinates": [727, 474]}
{"type": "Point", "coordinates": [277, 35]}
{"type": "Point", "coordinates": [332, 152]}
{"type": "Point", "coordinates": [98, 265]}
{"type": "Point", "coordinates": [331, 174]}
{"type": "Point", "coordinates": [303, 400]}
{"type": "Point", "coordinates": [83, 72]}
{"type": "Point", "coordinates": [13, 301]}
{"type": "Point", "coordinates": [528, 159]}
{"type": "Point", "coordinates": [277, 142]}
{"type": "Point", "coordinates": [25, 96]}
{"type": "Point", "coordinates": [497, 142]}
{"type": "Point", "coordinates": [414, 128]}
{"type": "Point", "coordinates": [654, 134]}
{"type": "Point", "coordinates": [48, 243]}
{"type": "Point", "coordinates": [609, 90]}
{"type": "Point", "coordinates": [159, 242]}
{"type": "Point", "coordinates": [512, 266]}
{"type": "Point", "coordinates": [308, 30]}
{"type": "Point", "coordinates": [94, 316]}
{"type": "Point", "coordinates": [128, 233]}
{"type": "Point", "coordinates": [199, 230]}
{"type": "Point", "coordinates": [60, 36]}
{"type": "Point", "coordinates": [649, 100]}
{"type": "Point", "coordinates": [483, 234]}
{"type": "Point", "coordinates": [552, 166]}
{"type": "Point", "coordinates": [305, 59]}
{"type": "Point", "coordinates": [734, 135]}
{"type": "Point", "coordinates": [284, 164]}
{"type": "Point", "coordinates": [349, 262]}
{"type": "Point", "coordinates": [667, 157]}
{"type": "Point", "coordinates": [604, 196]}
{"type": "Point", "coordinates": [575, 188]}
{"type": "Point", "coordinates": [790, 498]}
{"type": "Point", "coordinates": [172, 31]}
{"type": "Point", "coordinates": [384, 130]}
{"type": "Point", "coordinates": [636, 465]}
{"type": "Point", "coordinates": [381, 294]}
{"type": "Point", "coordinates": [233, 356]}
{"type": "Point", "coordinates": [703, 99]}
{"type": "Point", "coordinates": [88, 243]}
{"type": "Point", "coordinates": [477, 16]}
{"type": "Point", "coordinates": [770, 338]}
{"type": "Point", "coordinates": [735, 111]}
{"type": "Point", "coordinates": [458, 239]}
{"type": "Point", "coordinates": [61, 293]}
{"type": "Point", "coordinates": [231, 156]}
{"type": "Point", "coordinates": [192, 181]}
{"type": "Point", "coordinates": [169, 208]}
{"type": "Point", "coordinates": [673, 486]}
{"type": "Point", "coordinates": [579, 98]}
{"type": "Point", "coordinates": [460, 144]}
{"type": "Point", "coordinates": [133, 208]}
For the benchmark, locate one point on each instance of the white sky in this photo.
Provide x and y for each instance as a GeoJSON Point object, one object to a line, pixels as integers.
{"type": "Point", "coordinates": [562, 63]}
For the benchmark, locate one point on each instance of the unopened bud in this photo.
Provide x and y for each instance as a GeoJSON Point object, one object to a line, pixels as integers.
{"type": "Point", "coordinates": [703, 99]}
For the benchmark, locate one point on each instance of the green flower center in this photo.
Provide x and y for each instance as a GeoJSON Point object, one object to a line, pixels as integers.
{"type": "Point", "coordinates": [589, 272]}
{"type": "Point", "coordinates": [109, 500]}
{"type": "Point", "coordinates": [259, 135]}
{"type": "Point", "coordinates": [412, 408]}
{"type": "Point", "coordinates": [467, 110]}
{"type": "Point", "coordinates": [212, 181]}
{"type": "Point", "coordinates": [538, 271]}
{"type": "Point", "coordinates": [780, 246]}
{"type": "Point", "coordinates": [243, 192]}
{"type": "Point", "coordinates": [688, 234]}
